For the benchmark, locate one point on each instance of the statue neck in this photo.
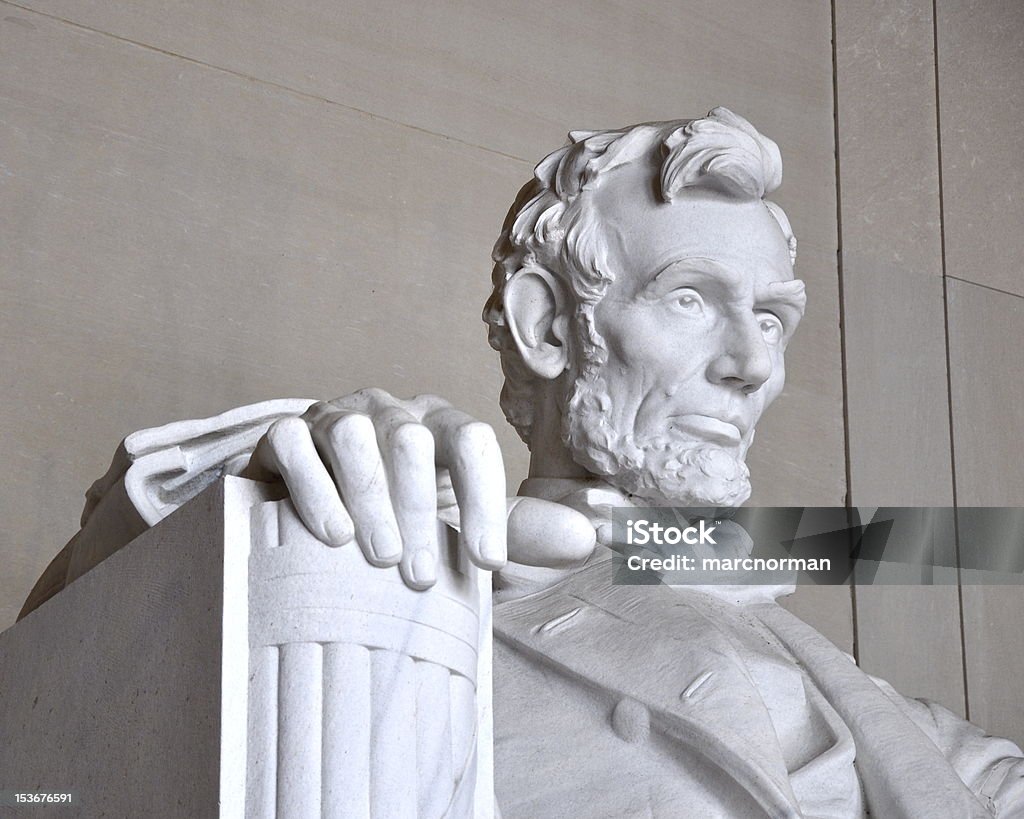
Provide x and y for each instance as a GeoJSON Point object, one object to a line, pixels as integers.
{"type": "Point", "coordinates": [549, 457]}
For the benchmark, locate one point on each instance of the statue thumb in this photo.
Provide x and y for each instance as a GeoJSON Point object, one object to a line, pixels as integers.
{"type": "Point", "coordinates": [543, 533]}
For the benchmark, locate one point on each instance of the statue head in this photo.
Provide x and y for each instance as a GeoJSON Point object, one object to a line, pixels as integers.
{"type": "Point", "coordinates": [643, 300]}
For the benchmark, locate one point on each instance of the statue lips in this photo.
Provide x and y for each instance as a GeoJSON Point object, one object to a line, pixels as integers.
{"type": "Point", "coordinates": [708, 428]}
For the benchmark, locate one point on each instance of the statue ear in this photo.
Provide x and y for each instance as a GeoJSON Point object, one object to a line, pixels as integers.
{"type": "Point", "coordinates": [536, 311]}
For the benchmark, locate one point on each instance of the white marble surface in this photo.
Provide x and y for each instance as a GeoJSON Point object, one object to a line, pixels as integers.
{"type": "Point", "coordinates": [116, 689]}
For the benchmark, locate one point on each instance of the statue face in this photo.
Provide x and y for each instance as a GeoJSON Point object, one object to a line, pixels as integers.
{"type": "Point", "coordinates": [696, 324]}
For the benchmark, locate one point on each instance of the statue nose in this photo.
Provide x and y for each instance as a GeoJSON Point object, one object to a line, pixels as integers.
{"type": "Point", "coordinates": [744, 363]}
{"type": "Point", "coordinates": [745, 386]}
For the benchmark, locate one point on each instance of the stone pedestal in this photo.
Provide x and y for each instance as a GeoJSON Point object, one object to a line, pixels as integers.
{"type": "Point", "coordinates": [228, 664]}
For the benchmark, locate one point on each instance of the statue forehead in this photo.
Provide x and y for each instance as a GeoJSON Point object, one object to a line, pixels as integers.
{"type": "Point", "coordinates": [643, 230]}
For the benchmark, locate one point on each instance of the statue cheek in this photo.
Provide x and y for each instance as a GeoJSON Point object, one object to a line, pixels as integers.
{"type": "Point", "coordinates": [773, 388]}
{"type": "Point", "coordinates": [635, 333]}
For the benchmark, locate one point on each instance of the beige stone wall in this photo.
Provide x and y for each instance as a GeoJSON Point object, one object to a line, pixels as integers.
{"type": "Point", "coordinates": [208, 204]}
{"type": "Point", "coordinates": [929, 158]}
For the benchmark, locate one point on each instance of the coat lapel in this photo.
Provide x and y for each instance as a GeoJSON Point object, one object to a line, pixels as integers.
{"type": "Point", "coordinates": [904, 773]}
{"type": "Point", "coordinates": [654, 645]}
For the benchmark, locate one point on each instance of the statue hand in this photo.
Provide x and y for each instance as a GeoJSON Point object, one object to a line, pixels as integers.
{"type": "Point", "coordinates": [367, 467]}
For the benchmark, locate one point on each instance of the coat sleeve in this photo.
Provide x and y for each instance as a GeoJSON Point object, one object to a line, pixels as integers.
{"type": "Point", "coordinates": [153, 472]}
{"type": "Point", "coordinates": [992, 767]}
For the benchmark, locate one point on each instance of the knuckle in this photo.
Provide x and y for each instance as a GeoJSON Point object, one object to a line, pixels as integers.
{"type": "Point", "coordinates": [428, 402]}
{"type": "Point", "coordinates": [373, 397]}
{"type": "Point", "coordinates": [317, 411]}
{"type": "Point", "coordinates": [365, 400]}
{"type": "Point", "coordinates": [285, 433]}
{"type": "Point", "coordinates": [411, 440]}
{"type": "Point", "coordinates": [417, 509]}
{"type": "Point", "coordinates": [474, 436]}
{"type": "Point", "coordinates": [348, 428]}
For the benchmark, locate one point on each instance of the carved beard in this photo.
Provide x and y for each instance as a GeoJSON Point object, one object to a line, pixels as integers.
{"type": "Point", "coordinates": [667, 467]}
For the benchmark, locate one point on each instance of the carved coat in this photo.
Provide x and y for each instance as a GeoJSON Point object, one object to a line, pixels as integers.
{"type": "Point", "coordinates": [651, 697]}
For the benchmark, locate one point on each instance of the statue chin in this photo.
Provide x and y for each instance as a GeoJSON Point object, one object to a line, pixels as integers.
{"type": "Point", "coordinates": [667, 468]}
{"type": "Point", "coordinates": [686, 473]}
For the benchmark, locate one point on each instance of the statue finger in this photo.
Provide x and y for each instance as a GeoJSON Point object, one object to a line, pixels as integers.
{"type": "Point", "coordinates": [407, 449]}
{"type": "Point", "coordinates": [348, 442]}
{"type": "Point", "coordinates": [262, 464]}
{"type": "Point", "coordinates": [291, 453]}
{"type": "Point", "coordinates": [470, 451]}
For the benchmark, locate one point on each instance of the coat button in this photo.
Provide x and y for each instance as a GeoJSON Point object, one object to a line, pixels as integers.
{"type": "Point", "coordinates": [631, 721]}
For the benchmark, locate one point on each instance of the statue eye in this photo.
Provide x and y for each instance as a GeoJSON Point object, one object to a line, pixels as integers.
{"type": "Point", "coordinates": [688, 300]}
{"type": "Point", "coordinates": [771, 328]}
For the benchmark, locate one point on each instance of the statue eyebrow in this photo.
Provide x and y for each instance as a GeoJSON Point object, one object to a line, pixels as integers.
{"type": "Point", "coordinates": [696, 265]}
{"type": "Point", "coordinates": [788, 295]}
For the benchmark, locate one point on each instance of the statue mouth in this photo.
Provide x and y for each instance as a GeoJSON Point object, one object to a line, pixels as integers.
{"type": "Point", "coordinates": [708, 428]}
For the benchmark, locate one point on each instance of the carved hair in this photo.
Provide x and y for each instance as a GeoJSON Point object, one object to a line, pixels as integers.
{"type": "Point", "coordinates": [551, 225]}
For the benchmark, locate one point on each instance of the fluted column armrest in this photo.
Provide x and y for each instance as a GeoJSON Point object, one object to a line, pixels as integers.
{"type": "Point", "coordinates": [227, 658]}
